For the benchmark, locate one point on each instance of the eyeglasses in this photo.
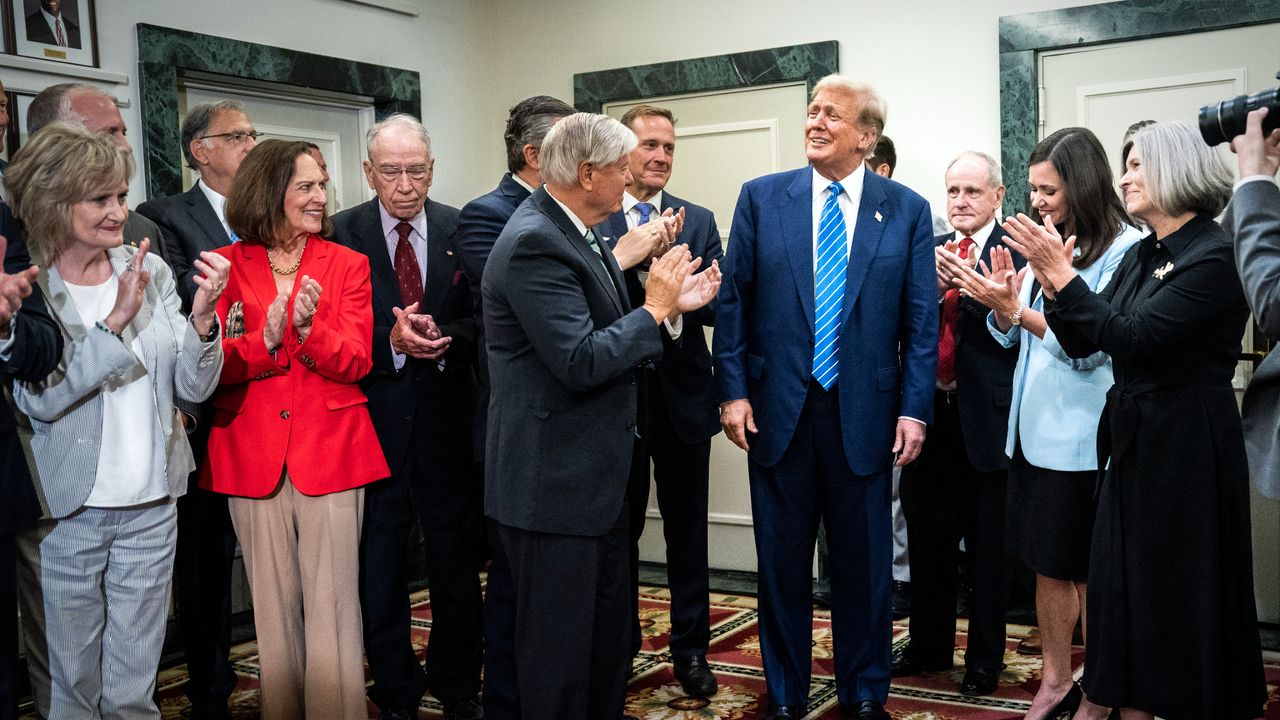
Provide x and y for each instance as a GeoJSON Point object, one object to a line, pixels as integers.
{"type": "Point", "coordinates": [235, 138]}
{"type": "Point", "coordinates": [416, 173]}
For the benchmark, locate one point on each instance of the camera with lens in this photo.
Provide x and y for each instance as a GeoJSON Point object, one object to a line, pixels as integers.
{"type": "Point", "coordinates": [1222, 122]}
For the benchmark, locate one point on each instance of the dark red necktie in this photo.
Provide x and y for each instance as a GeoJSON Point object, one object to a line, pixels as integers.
{"type": "Point", "coordinates": [950, 318]}
{"type": "Point", "coordinates": [57, 24]}
{"type": "Point", "coordinates": [408, 276]}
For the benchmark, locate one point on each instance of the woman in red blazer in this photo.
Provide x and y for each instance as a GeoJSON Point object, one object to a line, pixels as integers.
{"type": "Point", "coordinates": [292, 442]}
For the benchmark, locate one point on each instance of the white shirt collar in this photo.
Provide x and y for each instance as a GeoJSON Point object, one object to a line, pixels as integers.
{"type": "Point", "coordinates": [629, 202]}
{"type": "Point", "coordinates": [581, 226]}
{"type": "Point", "coordinates": [218, 202]}
{"type": "Point", "coordinates": [417, 222]}
{"type": "Point", "coordinates": [980, 237]}
{"type": "Point", "coordinates": [852, 183]}
{"type": "Point", "coordinates": [522, 183]}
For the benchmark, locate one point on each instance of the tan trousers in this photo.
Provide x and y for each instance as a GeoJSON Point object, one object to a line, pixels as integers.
{"type": "Point", "coordinates": [302, 554]}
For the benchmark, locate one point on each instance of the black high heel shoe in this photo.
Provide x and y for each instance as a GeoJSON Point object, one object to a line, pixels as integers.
{"type": "Point", "coordinates": [1068, 705]}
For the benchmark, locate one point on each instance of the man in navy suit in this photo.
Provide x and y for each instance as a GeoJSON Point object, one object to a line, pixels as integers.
{"type": "Point", "coordinates": [215, 139]}
{"type": "Point", "coordinates": [479, 225]}
{"type": "Point", "coordinates": [957, 488]}
{"type": "Point", "coordinates": [825, 348]}
{"type": "Point", "coordinates": [678, 414]}
{"type": "Point", "coordinates": [420, 399]}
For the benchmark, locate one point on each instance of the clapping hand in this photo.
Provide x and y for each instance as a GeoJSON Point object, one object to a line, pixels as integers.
{"type": "Point", "coordinates": [699, 289]}
{"type": "Point", "coordinates": [666, 280]}
{"type": "Point", "coordinates": [209, 286]}
{"type": "Point", "coordinates": [13, 289]}
{"type": "Point", "coordinates": [305, 306]}
{"type": "Point", "coordinates": [648, 241]}
{"type": "Point", "coordinates": [417, 335]}
{"type": "Point", "coordinates": [277, 315]}
{"type": "Point", "coordinates": [1049, 257]}
{"type": "Point", "coordinates": [131, 291]}
{"type": "Point", "coordinates": [1257, 155]}
{"type": "Point", "coordinates": [996, 287]}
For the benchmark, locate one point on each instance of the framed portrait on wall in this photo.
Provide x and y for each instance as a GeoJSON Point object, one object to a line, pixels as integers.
{"type": "Point", "coordinates": [58, 30]}
{"type": "Point", "coordinates": [15, 134]}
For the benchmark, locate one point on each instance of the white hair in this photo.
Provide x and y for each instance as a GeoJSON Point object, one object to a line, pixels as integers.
{"type": "Point", "coordinates": [995, 176]}
{"type": "Point", "coordinates": [397, 120]}
{"type": "Point", "coordinates": [1182, 174]}
{"type": "Point", "coordinates": [583, 138]}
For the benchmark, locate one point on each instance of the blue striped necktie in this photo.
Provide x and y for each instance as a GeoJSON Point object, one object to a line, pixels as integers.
{"type": "Point", "coordinates": [828, 282]}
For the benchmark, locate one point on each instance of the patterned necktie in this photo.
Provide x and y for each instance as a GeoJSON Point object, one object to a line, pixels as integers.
{"type": "Point", "coordinates": [595, 247]}
{"type": "Point", "coordinates": [408, 275]}
{"type": "Point", "coordinates": [950, 318]}
{"type": "Point", "coordinates": [57, 26]}
{"type": "Point", "coordinates": [828, 284]}
{"type": "Point", "coordinates": [645, 211]}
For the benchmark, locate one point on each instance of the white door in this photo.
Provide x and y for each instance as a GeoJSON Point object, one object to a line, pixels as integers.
{"type": "Point", "coordinates": [1108, 87]}
{"type": "Point", "coordinates": [724, 139]}
{"type": "Point", "coordinates": [335, 125]}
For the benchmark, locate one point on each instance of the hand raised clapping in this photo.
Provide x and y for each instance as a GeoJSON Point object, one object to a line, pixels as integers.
{"type": "Point", "coordinates": [132, 288]}
{"type": "Point", "coordinates": [13, 290]}
{"type": "Point", "coordinates": [305, 305]}
{"type": "Point", "coordinates": [209, 286]}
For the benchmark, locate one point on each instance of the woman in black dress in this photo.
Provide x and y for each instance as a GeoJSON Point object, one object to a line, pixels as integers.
{"type": "Point", "coordinates": [1171, 616]}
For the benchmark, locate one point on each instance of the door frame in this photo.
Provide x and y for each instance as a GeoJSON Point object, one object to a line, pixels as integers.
{"type": "Point", "coordinates": [165, 53]}
{"type": "Point", "coordinates": [1024, 36]}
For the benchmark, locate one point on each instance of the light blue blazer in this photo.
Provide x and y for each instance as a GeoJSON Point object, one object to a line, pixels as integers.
{"type": "Point", "coordinates": [1057, 400]}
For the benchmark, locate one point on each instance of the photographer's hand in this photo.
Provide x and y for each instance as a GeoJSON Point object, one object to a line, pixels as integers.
{"type": "Point", "coordinates": [1257, 155]}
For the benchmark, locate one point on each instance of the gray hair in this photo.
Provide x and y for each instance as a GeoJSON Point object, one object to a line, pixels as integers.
{"type": "Point", "coordinates": [873, 114]}
{"type": "Point", "coordinates": [1182, 174]}
{"type": "Point", "coordinates": [995, 176]}
{"type": "Point", "coordinates": [396, 120]}
{"type": "Point", "coordinates": [54, 104]}
{"type": "Point", "coordinates": [583, 138]}
{"type": "Point", "coordinates": [197, 123]}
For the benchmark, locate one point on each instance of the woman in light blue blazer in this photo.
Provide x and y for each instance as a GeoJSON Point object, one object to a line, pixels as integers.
{"type": "Point", "coordinates": [109, 449]}
{"type": "Point", "coordinates": [1057, 401]}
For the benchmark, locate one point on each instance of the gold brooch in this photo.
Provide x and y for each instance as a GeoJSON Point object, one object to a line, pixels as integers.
{"type": "Point", "coordinates": [1160, 272]}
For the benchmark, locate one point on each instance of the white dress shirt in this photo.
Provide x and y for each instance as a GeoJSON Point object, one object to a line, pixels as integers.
{"type": "Point", "coordinates": [632, 216]}
{"type": "Point", "coordinates": [219, 205]}
{"type": "Point", "coordinates": [418, 241]}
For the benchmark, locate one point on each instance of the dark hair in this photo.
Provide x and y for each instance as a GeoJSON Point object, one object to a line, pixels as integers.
{"type": "Point", "coordinates": [1096, 213]}
{"type": "Point", "coordinates": [883, 154]}
{"type": "Point", "coordinates": [255, 205]}
{"type": "Point", "coordinates": [643, 110]}
{"type": "Point", "coordinates": [528, 124]}
{"type": "Point", "coordinates": [1127, 143]}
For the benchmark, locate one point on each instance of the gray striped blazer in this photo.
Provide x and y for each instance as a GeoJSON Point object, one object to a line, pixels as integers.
{"type": "Point", "coordinates": [65, 410]}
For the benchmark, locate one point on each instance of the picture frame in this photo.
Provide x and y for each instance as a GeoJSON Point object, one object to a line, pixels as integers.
{"type": "Point", "coordinates": [33, 25]}
{"type": "Point", "coordinates": [16, 132]}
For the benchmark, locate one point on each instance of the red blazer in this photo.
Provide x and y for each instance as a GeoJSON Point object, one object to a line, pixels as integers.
{"type": "Point", "coordinates": [302, 409]}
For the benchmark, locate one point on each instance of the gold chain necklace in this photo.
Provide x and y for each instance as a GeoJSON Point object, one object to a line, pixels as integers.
{"type": "Point", "coordinates": [291, 270]}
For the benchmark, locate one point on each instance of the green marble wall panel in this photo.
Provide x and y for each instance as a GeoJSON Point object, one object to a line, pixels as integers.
{"type": "Point", "coordinates": [591, 90]}
{"type": "Point", "coordinates": [1023, 36]}
{"type": "Point", "coordinates": [163, 53]}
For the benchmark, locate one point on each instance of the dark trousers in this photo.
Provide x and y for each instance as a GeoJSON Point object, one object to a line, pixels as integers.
{"type": "Point", "coordinates": [501, 696]}
{"type": "Point", "coordinates": [680, 471]}
{"type": "Point", "coordinates": [813, 481]}
{"type": "Point", "coordinates": [445, 493]}
{"type": "Point", "coordinates": [202, 592]}
{"type": "Point", "coordinates": [946, 500]}
{"type": "Point", "coordinates": [571, 625]}
{"type": "Point", "coordinates": [9, 664]}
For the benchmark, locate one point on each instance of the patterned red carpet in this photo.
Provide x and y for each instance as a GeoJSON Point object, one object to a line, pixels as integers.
{"type": "Point", "coordinates": [735, 658]}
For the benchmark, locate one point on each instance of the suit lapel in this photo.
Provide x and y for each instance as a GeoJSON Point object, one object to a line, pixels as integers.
{"type": "Point", "coordinates": [613, 288]}
{"type": "Point", "coordinates": [866, 240]}
{"type": "Point", "coordinates": [615, 226]}
{"type": "Point", "coordinates": [797, 225]}
{"type": "Point", "coordinates": [386, 288]}
{"type": "Point", "coordinates": [440, 264]}
{"type": "Point", "coordinates": [203, 216]}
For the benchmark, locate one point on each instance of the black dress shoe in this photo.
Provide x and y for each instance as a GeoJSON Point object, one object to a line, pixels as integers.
{"type": "Point", "coordinates": [399, 713]}
{"type": "Point", "coordinates": [980, 681]}
{"type": "Point", "coordinates": [822, 599]}
{"type": "Point", "coordinates": [469, 709]}
{"type": "Point", "coordinates": [904, 664]}
{"type": "Point", "coordinates": [695, 676]}
{"type": "Point", "coordinates": [864, 710]}
{"type": "Point", "coordinates": [784, 712]}
{"type": "Point", "coordinates": [901, 599]}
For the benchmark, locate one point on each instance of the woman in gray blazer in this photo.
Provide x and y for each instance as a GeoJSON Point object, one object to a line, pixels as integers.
{"type": "Point", "coordinates": [109, 450]}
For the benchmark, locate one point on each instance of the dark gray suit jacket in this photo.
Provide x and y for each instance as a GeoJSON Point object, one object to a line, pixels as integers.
{"type": "Point", "coordinates": [564, 346]}
{"type": "Point", "coordinates": [1254, 219]}
{"type": "Point", "coordinates": [190, 226]}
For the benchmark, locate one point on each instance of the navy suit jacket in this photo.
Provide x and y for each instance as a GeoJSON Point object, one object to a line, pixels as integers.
{"type": "Point", "coordinates": [479, 225]}
{"type": "Point", "coordinates": [36, 350]}
{"type": "Point", "coordinates": [984, 374]}
{"type": "Point", "coordinates": [189, 225]}
{"type": "Point", "coordinates": [564, 350]}
{"type": "Point", "coordinates": [764, 333]}
{"type": "Point", "coordinates": [684, 372]}
{"type": "Point", "coordinates": [420, 402]}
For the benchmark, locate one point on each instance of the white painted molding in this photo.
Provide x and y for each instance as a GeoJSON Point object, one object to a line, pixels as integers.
{"type": "Point", "coordinates": [404, 7]}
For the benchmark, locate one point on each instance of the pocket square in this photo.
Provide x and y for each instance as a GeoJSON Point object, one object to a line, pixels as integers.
{"type": "Point", "coordinates": [457, 277]}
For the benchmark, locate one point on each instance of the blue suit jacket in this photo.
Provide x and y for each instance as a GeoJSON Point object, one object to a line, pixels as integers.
{"type": "Point", "coordinates": [763, 343]}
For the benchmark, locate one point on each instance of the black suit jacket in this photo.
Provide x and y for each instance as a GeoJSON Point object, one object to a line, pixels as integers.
{"type": "Point", "coordinates": [479, 225]}
{"type": "Point", "coordinates": [984, 374]}
{"type": "Point", "coordinates": [564, 349]}
{"type": "Point", "coordinates": [684, 373]}
{"type": "Point", "coordinates": [39, 31]}
{"type": "Point", "coordinates": [190, 226]}
{"type": "Point", "coordinates": [35, 352]}
{"type": "Point", "coordinates": [421, 402]}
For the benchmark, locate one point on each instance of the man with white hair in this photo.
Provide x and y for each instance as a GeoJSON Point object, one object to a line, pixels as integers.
{"type": "Point", "coordinates": [420, 398]}
{"type": "Point", "coordinates": [825, 347]}
{"type": "Point", "coordinates": [564, 348]}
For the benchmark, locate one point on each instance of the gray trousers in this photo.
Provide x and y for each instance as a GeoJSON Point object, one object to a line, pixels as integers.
{"type": "Point", "coordinates": [94, 593]}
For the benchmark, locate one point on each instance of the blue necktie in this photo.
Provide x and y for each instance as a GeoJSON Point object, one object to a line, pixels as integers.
{"type": "Point", "coordinates": [828, 281]}
{"type": "Point", "coordinates": [234, 237]}
{"type": "Point", "coordinates": [645, 211]}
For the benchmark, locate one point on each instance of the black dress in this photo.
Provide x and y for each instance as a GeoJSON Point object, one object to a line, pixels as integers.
{"type": "Point", "coordinates": [1172, 623]}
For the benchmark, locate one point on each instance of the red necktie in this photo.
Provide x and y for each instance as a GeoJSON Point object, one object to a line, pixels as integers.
{"type": "Point", "coordinates": [57, 25]}
{"type": "Point", "coordinates": [408, 276]}
{"type": "Point", "coordinates": [950, 317]}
